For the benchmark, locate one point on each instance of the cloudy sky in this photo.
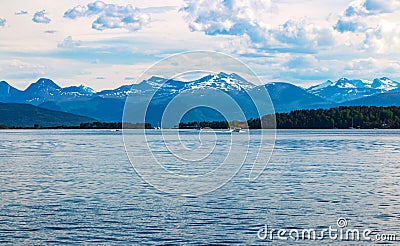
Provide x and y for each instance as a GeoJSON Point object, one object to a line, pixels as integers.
{"type": "Point", "coordinates": [104, 44]}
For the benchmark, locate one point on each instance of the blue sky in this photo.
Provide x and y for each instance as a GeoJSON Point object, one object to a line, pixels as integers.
{"type": "Point", "coordinates": [104, 44]}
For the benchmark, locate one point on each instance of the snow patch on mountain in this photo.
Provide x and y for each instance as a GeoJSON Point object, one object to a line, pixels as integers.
{"type": "Point", "coordinates": [320, 86]}
{"type": "Point", "coordinates": [222, 81]}
{"type": "Point", "coordinates": [385, 84]}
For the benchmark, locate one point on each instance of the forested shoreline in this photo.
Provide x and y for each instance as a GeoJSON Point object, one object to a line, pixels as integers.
{"type": "Point", "coordinates": [362, 117]}
{"type": "Point", "coordinates": [343, 117]}
{"type": "Point", "coordinates": [89, 125]}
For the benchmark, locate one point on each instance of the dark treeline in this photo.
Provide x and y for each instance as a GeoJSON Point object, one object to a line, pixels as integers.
{"type": "Point", "coordinates": [204, 124]}
{"type": "Point", "coordinates": [89, 125]}
{"type": "Point", "coordinates": [341, 117]}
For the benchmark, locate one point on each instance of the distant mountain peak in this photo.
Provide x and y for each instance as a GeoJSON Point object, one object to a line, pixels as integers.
{"type": "Point", "coordinates": [156, 78]}
{"type": "Point", "coordinates": [4, 84]}
{"type": "Point", "coordinates": [344, 83]}
{"type": "Point", "coordinates": [44, 83]}
{"type": "Point", "coordinates": [236, 76]}
{"type": "Point", "coordinates": [223, 74]}
{"type": "Point", "coordinates": [385, 84]}
{"type": "Point", "coordinates": [7, 91]}
{"type": "Point", "coordinates": [222, 81]}
{"type": "Point", "coordinates": [86, 89]}
{"type": "Point", "coordinates": [285, 95]}
{"type": "Point", "coordinates": [321, 86]}
{"type": "Point", "coordinates": [81, 89]}
{"type": "Point", "coordinates": [44, 80]}
{"type": "Point", "coordinates": [349, 89]}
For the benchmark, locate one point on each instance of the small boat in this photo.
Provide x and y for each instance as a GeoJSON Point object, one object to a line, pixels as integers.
{"type": "Point", "coordinates": [238, 129]}
{"type": "Point", "coordinates": [352, 124]}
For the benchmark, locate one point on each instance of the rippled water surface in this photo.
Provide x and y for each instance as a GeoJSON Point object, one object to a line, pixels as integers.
{"type": "Point", "coordinates": [78, 186]}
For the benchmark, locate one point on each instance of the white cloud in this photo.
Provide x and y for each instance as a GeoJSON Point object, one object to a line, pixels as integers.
{"type": "Point", "coordinates": [160, 9]}
{"type": "Point", "coordinates": [22, 69]}
{"type": "Point", "coordinates": [371, 7]}
{"type": "Point", "coordinates": [357, 15]}
{"type": "Point", "coordinates": [371, 25]}
{"type": "Point", "coordinates": [302, 34]}
{"type": "Point", "coordinates": [50, 31]}
{"type": "Point", "coordinates": [305, 61]}
{"type": "Point", "coordinates": [358, 65]}
{"type": "Point", "coordinates": [347, 25]}
{"type": "Point", "coordinates": [3, 22]}
{"type": "Point", "coordinates": [282, 40]}
{"type": "Point", "coordinates": [68, 43]}
{"type": "Point", "coordinates": [384, 38]}
{"type": "Point", "coordinates": [40, 17]}
{"type": "Point", "coordinates": [229, 17]}
{"type": "Point", "coordinates": [306, 68]}
{"type": "Point", "coordinates": [21, 12]}
{"type": "Point", "coordinates": [249, 20]}
{"type": "Point", "coordinates": [110, 16]}
{"type": "Point", "coordinates": [78, 11]}
{"type": "Point", "coordinates": [381, 6]}
{"type": "Point", "coordinates": [375, 67]}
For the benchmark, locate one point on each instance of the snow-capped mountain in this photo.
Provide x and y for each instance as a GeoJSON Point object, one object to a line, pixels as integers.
{"type": "Point", "coordinates": [108, 105]}
{"type": "Point", "coordinates": [223, 81]}
{"type": "Point", "coordinates": [46, 90]}
{"type": "Point", "coordinates": [169, 87]}
{"type": "Point", "coordinates": [385, 84]}
{"type": "Point", "coordinates": [120, 92]}
{"type": "Point", "coordinates": [345, 90]}
{"type": "Point", "coordinates": [41, 91]}
{"type": "Point", "coordinates": [164, 87]}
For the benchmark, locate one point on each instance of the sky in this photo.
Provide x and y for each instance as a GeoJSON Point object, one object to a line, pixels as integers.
{"type": "Point", "coordinates": [105, 44]}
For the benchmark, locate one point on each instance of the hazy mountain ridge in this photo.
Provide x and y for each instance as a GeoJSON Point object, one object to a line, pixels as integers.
{"type": "Point", "coordinates": [41, 91]}
{"type": "Point", "coordinates": [107, 105]}
{"type": "Point", "coordinates": [382, 99]}
{"type": "Point", "coordinates": [27, 115]}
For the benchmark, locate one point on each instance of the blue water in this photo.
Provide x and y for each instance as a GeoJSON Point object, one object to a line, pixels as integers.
{"type": "Point", "coordinates": [79, 187]}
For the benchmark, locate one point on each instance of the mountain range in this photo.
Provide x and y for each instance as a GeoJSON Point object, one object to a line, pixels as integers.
{"type": "Point", "coordinates": [346, 90]}
{"type": "Point", "coordinates": [108, 105]}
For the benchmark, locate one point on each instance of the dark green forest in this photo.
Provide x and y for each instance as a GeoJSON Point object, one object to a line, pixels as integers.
{"type": "Point", "coordinates": [204, 124]}
{"type": "Point", "coordinates": [90, 125]}
{"type": "Point", "coordinates": [362, 117]}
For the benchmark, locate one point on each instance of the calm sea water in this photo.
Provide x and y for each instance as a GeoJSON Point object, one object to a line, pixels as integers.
{"type": "Point", "coordinates": [78, 187]}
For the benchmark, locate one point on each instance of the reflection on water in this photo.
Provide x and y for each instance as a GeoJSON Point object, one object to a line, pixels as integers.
{"type": "Point", "coordinates": [78, 186]}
